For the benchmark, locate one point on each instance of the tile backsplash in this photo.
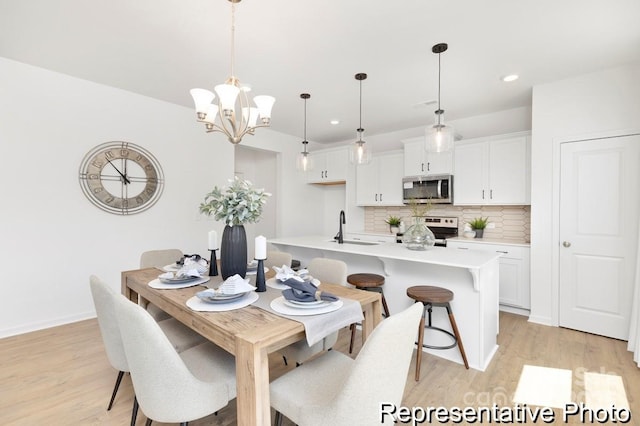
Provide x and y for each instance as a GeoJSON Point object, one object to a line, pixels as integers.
{"type": "Point", "coordinates": [511, 222]}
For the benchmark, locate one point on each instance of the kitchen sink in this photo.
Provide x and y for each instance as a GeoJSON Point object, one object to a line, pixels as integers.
{"type": "Point", "coordinates": [359, 242]}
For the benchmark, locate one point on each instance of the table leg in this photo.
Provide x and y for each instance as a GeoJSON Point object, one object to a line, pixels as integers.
{"type": "Point", "coordinates": [252, 381]}
{"type": "Point", "coordinates": [372, 317]}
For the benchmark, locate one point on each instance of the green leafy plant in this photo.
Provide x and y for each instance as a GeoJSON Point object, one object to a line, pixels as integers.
{"type": "Point", "coordinates": [419, 209]}
{"type": "Point", "coordinates": [479, 222]}
{"type": "Point", "coordinates": [393, 221]}
{"type": "Point", "coordinates": [238, 204]}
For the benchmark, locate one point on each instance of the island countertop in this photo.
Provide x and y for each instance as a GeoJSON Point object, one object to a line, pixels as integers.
{"type": "Point", "coordinates": [472, 275]}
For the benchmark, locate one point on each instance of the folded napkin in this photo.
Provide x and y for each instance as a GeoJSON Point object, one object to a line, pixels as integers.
{"type": "Point", "coordinates": [235, 284]}
{"type": "Point", "coordinates": [195, 262]}
{"type": "Point", "coordinates": [182, 273]}
{"type": "Point", "coordinates": [285, 273]}
{"type": "Point", "coordinates": [305, 291]}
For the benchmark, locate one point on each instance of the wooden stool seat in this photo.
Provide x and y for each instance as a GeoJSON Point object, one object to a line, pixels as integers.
{"type": "Point", "coordinates": [367, 282]}
{"type": "Point", "coordinates": [431, 296]}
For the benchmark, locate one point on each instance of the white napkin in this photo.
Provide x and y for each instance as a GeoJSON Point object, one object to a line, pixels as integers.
{"type": "Point", "coordinates": [201, 265]}
{"type": "Point", "coordinates": [235, 284]}
{"type": "Point", "coordinates": [185, 271]}
{"type": "Point", "coordinates": [285, 273]}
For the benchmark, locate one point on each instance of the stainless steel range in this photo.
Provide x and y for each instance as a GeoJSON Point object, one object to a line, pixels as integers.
{"type": "Point", "coordinates": [442, 228]}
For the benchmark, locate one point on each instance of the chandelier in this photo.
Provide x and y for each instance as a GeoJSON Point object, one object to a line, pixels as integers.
{"type": "Point", "coordinates": [233, 113]}
{"type": "Point", "coordinates": [439, 137]}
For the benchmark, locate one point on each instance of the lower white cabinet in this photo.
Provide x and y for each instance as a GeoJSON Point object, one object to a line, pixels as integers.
{"type": "Point", "coordinates": [514, 270]}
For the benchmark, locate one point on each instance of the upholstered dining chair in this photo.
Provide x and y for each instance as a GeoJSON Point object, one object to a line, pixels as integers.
{"type": "Point", "coordinates": [329, 271]}
{"type": "Point", "coordinates": [172, 387]}
{"type": "Point", "coordinates": [278, 258]}
{"type": "Point", "coordinates": [158, 259]}
{"type": "Point", "coordinates": [181, 337]}
{"type": "Point", "coordinates": [336, 390]}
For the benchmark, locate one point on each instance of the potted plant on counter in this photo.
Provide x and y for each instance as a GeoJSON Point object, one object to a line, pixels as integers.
{"type": "Point", "coordinates": [478, 224]}
{"type": "Point", "coordinates": [394, 224]}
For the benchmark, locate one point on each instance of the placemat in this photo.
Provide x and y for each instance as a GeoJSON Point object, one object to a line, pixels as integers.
{"type": "Point", "coordinates": [316, 327]}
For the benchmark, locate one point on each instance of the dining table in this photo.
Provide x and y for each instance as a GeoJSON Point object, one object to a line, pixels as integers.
{"type": "Point", "coordinates": [249, 333]}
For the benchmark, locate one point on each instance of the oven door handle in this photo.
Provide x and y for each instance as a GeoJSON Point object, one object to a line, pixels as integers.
{"type": "Point", "coordinates": [439, 188]}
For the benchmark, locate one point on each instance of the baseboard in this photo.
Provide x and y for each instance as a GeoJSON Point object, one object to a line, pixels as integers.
{"type": "Point", "coordinates": [515, 310]}
{"type": "Point", "coordinates": [540, 320]}
{"type": "Point", "coordinates": [42, 325]}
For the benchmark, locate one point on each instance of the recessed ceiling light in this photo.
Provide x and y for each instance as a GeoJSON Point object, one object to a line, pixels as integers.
{"type": "Point", "coordinates": [510, 77]}
{"type": "Point", "coordinates": [334, 122]}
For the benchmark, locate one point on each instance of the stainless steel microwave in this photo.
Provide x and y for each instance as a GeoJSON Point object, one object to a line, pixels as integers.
{"type": "Point", "coordinates": [425, 189]}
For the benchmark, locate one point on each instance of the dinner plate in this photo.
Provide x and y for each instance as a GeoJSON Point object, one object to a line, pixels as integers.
{"type": "Point", "coordinates": [173, 267]}
{"type": "Point", "coordinates": [220, 298]}
{"type": "Point", "coordinates": [309, 305]}
{"type": "Point", "coordinates": [278, 304]}
{"type": "Point", "coordinates": [278, 285]}
{"type": "Point", "coordinates": [177, 280]}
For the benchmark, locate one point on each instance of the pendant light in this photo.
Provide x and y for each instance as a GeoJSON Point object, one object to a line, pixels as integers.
{"type": "Point", "coordinates": [439, 137]}
{"type": "Point", "coordinates": [303, 162]}
{"type": "Point", "coordinates": [359, 153]}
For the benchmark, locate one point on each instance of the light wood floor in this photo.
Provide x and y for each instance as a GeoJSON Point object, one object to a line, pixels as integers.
{"type": "Point", "coordinates": [61, 376]}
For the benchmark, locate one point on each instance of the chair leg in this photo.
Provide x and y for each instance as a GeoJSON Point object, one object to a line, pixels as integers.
{"type": "Point", "coordinates": [384, 306]}
{"type": "Point", "coordinates": [115, 389]}
{"type": "Point", "coordinates": [353, 337]}
{"type": "Point", "coordinates": [134, 412]}
{"type": "Point", "coordinates": [452, 320]}
{"type": "Point", "coordinates": [278, 420]}
{"type": "Point", "coordinates": [420, 340]}
{"type": "Point", "coordinates": [148, 423]}
{"type": "Point", "coordinates": [284, 358]}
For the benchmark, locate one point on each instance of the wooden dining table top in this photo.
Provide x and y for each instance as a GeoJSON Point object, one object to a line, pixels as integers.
{"type": "Point", "coordinates": [249, 333]}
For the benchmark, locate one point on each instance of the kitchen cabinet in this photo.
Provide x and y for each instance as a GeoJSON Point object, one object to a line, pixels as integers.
{"type": "Point", "coordinates": [379, 183]}
{"type": "Point", "coordinates": [328, 166]}
{"type": "Point", "coordinates": [419, 162]}
{"type": "Point", "coordinates": [493, 170]}
{"type": "Point", "coordinates": [514, 270]}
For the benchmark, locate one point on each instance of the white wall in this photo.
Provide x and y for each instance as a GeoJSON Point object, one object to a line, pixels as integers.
{"type": "Point", "coordinates": [52, 238]}
{"type": "Point", "coordinates": [605, 103]}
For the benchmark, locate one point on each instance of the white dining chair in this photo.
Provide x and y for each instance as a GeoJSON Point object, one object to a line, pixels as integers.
{"type": "Point", "coordinates": [331, 271]}
{"type": "Point", "coordinates": [181, 337]}
{"type": "Point", "coordinates": [335, 390]}
{"type": "Point", "coordinates": [172, 387]}
{"type": "Point", "coordinates": [278, 258]}
{"type": "Point", "coordinates": [158, 259]}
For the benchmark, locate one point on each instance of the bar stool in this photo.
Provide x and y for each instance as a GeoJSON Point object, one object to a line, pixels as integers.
{"type": "Point", "coordinates": [368, 282]}
{"type": "Point", "coordinates": [431, 296]}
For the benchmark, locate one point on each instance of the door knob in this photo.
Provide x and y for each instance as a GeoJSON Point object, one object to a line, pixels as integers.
{"type": "Point", "coordinates": [566, 244]}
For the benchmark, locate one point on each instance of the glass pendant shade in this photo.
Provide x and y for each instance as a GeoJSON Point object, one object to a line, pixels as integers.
{"type": "Point", "coordinates": [359, 153]}
{"type": "Point", "coordinates": [202, 98]}
{"type": "Point", "coordinates": [439, 137]}
{"type": "Point", "coordinates": [303, 162]}
{"type": "Point", "coordinates": [250, 116]}
{"type": "Point", "coordinates": [211, 114]}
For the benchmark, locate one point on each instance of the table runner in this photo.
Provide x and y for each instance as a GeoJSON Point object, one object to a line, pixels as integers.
{"type": "Point", "coordinates": [318, 326]}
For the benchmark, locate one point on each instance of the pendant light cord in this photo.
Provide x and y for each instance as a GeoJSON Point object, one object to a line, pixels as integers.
{"type": "Point", "coordinates": [233, 39]}
{"type": "Point", "coordinates": [360, 129]}
{"type": "Point", "coordinates": [305, 125]}
{"type": "Point", "coordinates": [439, 109]}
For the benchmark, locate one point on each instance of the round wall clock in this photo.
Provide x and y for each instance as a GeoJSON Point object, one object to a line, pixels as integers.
{"type": "Point", "coordinates": [121, 178]}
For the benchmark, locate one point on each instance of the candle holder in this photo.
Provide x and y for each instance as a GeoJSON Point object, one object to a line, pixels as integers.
{"type": "Point", "coordinates": [260, 282]}
{"type": "Point", "coordinates": [213, 264]}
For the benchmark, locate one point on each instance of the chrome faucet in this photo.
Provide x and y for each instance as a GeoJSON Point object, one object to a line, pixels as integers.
{"type": "Point", "coordinates": [339, 236]}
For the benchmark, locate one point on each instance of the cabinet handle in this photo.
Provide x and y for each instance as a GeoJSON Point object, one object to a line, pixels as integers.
{"type": "Point", "coordinates": [422, 167]}
{"type": "Point", "coordinates": [491, 194]}
{"type": "Point", "coordinates": [428, 167]}
{"type": "Point", "coordinates": [376, 197]}
{"type": "Point", "coordinates": [326, 174]}
{"type": "Point", "coordinates": [483, 194]}
{"type": "Point", "coordinates": [502, 251]}
{"type": "Point", "coordinates": [380, 197]}
{"type": "Point", "coordinates": [463, 248]}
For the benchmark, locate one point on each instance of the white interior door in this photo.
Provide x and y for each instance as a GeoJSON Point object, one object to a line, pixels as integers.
{"type": "Point", "coordinates": [599, 189]}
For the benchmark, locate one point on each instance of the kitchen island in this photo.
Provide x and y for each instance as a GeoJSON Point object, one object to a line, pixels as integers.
{"type": "Point", "coordinates": [471, 275]}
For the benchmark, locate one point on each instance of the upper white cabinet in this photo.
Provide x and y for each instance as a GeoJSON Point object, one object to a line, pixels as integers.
{"type": "Point", "coordinates": [328, 166]}
{"type": "Point", "coordinates": [418, 162]}
{"type": "Point", "coordinates": [379, 183]}
{"type": "Point", "coordinates": [493, 170]}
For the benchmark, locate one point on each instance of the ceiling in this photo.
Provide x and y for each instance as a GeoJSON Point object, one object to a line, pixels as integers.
{"type": "Point", "coordinates": [163, 48]}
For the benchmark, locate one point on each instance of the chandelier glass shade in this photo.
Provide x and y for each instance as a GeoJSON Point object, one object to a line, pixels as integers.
{"type": "Point", "coordinates": [440, 136]}
{"type": "Point", "coordinates": [359, 152]}
{"type": "Point", "coordinates": [233, 114]}
{"type": "Point", "coordinates": [303, 161]}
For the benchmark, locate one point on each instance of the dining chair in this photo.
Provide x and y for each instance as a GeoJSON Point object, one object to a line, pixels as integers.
{"type": "Point", "coordinates": [337, 390]}
{"type": "Point", "coordinates": [278, 258]}
{"type": "Point", "coordinates": [173, 387]}
{"type": "Point", "coordinates": [181, 337]}
{"type": "Point", "coordinates": [328, 271]}
{"type": "Point", "coordinates": [158, 259]}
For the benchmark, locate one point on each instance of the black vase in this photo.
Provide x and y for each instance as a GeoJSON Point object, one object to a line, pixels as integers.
{"type": "Point", "coordinates": [233, 251]}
